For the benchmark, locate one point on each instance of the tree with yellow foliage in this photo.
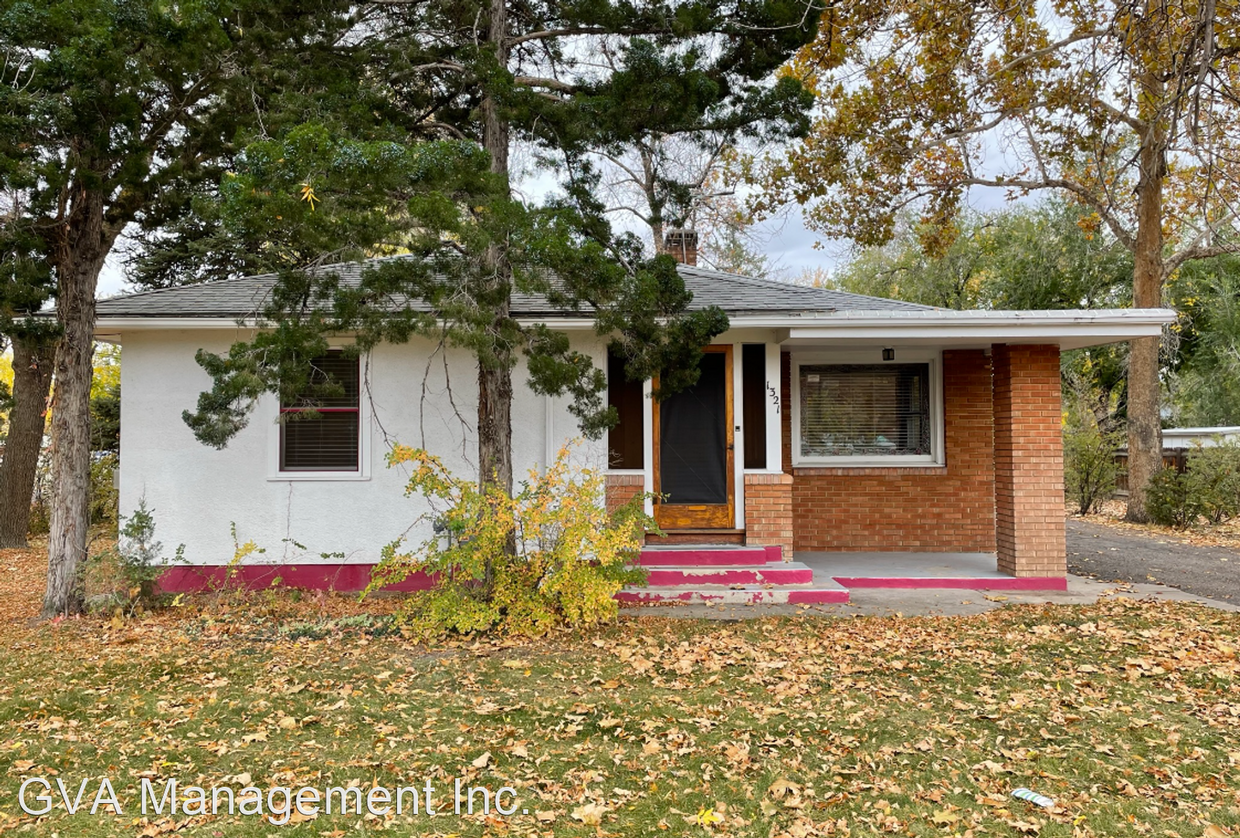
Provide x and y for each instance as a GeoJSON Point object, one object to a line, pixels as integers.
{"type": "Point", "coordinates": [1130, 109]}
{"type": "Point", "coordinates": [29, 372]}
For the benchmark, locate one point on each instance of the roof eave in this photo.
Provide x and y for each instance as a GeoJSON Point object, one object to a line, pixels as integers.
{"type": "Point", "coordinates": [1069, 329]}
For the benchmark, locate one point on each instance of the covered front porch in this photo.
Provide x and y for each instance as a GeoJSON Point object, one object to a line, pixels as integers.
{"type": "Point", "coordinates": [892, 449]}
{"type": "Point", "coordinates": [729, 574]}
{"type": "Point", "coordinates": [965, 571]}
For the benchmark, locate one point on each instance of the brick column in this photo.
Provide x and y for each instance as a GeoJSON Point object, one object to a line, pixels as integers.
{"type": "Point", "coordinates": [1029, 517]}
{"type": "Point", "coordinates": [622, 488]}
{"type": "Point", "coordinates": [768, 511]}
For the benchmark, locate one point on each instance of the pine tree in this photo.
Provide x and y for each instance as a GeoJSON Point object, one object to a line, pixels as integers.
{"type": "Point", "coordinates": [110, 112]}
{"type": "Point", "coordinates": [488, 76]}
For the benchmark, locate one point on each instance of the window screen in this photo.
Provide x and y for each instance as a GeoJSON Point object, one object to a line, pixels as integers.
{"type": "Point", "coordinates": [865, 410]}
{"type": "Point", "coordinates": [320, 429]}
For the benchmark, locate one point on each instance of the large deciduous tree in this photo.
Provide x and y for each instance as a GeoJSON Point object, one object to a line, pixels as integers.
{"type": "Point", "coordinates": [480, 79]}
{"type": "Point", "coordinates": [25, 285]}
{"type": "Point", "coordinates": [33, 350]}
{"type": "Point", "coordinates": [1031, 256]}
{"type": "Point", "coordinates": [668, 183]}
{"type": "Point", "coordinates": [108, 110]}
{"type": "Point", "coordinates": [1131, 109]}
{"type": "Point", "coordinates": [1022, 257]}
{"type": "Point", "coordinates": [1205, 375]}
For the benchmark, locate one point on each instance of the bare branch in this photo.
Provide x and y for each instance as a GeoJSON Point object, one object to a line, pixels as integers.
{"type": "Point", "coordinates": [551, 84]}
{"type": "Point", "coordinates": [1081, 193]}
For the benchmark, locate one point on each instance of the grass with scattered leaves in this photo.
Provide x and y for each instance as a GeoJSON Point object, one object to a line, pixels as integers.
{"type": "Point", "coordinates": [1127, 714]}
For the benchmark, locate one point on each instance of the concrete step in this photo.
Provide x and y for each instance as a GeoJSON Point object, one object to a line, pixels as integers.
{"type": "Point", "coordinates": [968, 583]}
{"type": "Point", "coordinates": [819, 593]}
{"type": "Point", "coordinates": [774, 573]}
{"type": "Point", "coordinates": [707, 555]}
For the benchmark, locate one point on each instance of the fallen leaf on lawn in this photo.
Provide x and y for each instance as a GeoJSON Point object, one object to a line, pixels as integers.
{"type": "Point", "coordinates": [545, 817]}
{"type": "Point", "coordinates": [261, 736]}
{"type": "Point", "coordinates": [515, 663]}
{"type": "Point", "coordinates": [708, 817]}
{"type": "Point", "coordinates": [783, 787]}
{"type": "Point", "coordinates": [944, 818]}
{"type": "Point", "coordinates": [1213, 831]}
{"type": "Point", "coordinates": [590, 814]}
{"type": "Point", "coordinates": [482, 761]}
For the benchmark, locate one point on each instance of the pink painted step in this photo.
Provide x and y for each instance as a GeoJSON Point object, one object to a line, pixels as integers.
{"type": "Point", "coordinates": [741, 595]}
{"type": "Point", "coordinates": [775, 573]}
{"type": "Point", "coordinates": [708, 556]}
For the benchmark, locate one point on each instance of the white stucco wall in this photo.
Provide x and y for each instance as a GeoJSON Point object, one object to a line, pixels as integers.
{"type": "Point", "coordinates": [197, 492]}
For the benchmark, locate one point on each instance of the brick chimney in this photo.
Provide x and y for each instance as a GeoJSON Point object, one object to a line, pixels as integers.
{"type": "Point", "coordinates": [682, 246]}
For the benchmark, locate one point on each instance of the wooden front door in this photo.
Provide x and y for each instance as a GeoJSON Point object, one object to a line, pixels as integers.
{"type": "Point", "coordinates": [694, 461]}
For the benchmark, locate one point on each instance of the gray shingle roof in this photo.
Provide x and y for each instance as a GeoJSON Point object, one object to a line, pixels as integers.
{"type": "Point", "coordinates": [736, 295]}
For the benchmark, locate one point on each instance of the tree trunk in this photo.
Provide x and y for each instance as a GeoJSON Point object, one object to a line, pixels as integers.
{"type": "Point", "coordinates": [495, 427]}
{"type": "Point", "coordinates": [80, 256]}
{"type": "Point", "coordinates": [1144, 389]}
{"type": "Point", "coordinates": [32, 379]}
{"type": "Point", "coordinates": [651, 188]}
{"type": "Point", "coordinates": [495, 367]}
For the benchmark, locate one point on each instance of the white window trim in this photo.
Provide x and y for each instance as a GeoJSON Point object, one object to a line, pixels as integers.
{"type": "Point", "coordinates": [935, 459]}
{"type": "Point", "coordinates": [270, 407]}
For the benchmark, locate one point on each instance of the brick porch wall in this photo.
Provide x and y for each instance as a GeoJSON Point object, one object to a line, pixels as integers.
{"type": "Point", "coordinates": [768, 511]}
{"type": "Point", "coordinates": [1028, 461]}
{"type": "Point", "coordinates": [619, 489]}
{"type": "Point", "coordinates": [941, 509]}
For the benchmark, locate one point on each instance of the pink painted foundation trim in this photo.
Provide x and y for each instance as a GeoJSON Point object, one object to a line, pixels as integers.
{"type": "Point", "coordinates": [347, 578]}
{"type": "Point", "coordinates": [974, 583]}
{"type": "Point", "coordinates": [815, 597]}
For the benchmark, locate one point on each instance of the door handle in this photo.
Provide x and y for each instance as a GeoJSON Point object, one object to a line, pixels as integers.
{"type": "Point", "coordinates": [731, 447]}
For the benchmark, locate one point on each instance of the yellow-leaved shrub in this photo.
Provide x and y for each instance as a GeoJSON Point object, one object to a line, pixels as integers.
{"type": "Point", "coordinates": [551, 555]}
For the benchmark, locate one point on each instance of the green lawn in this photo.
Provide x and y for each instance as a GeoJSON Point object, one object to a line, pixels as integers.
{"type": "Point", "coordinates": [1126, 714]}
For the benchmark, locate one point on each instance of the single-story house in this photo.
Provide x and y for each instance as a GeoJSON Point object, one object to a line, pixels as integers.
{"type": "Point", "coordinates": [1177, 444]}
{"type": "Point", "coordinates": [1178, 439]}
{"type": "Point", "coordinates": [824, 422]}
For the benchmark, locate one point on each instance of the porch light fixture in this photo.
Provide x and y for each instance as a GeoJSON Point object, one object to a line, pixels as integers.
{"type": "Point", "coordinates": [889, 354]}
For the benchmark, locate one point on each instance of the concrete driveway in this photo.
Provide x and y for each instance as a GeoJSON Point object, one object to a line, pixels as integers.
{"type": "Point", "coordinates": [1114, 555]}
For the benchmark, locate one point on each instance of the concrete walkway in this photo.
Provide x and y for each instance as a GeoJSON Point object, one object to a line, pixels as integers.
{"type": "Point", "coordinates": [929, 602]}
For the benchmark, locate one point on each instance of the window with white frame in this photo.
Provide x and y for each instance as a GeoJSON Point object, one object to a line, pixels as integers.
{"type": "Point", "coordinates": [320, 429]}
{"type": "Point", "coordinates": [879, 413]}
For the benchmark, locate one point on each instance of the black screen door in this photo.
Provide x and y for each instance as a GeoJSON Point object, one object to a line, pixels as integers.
{"type": "Point", "coordinates": [695, 457]}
